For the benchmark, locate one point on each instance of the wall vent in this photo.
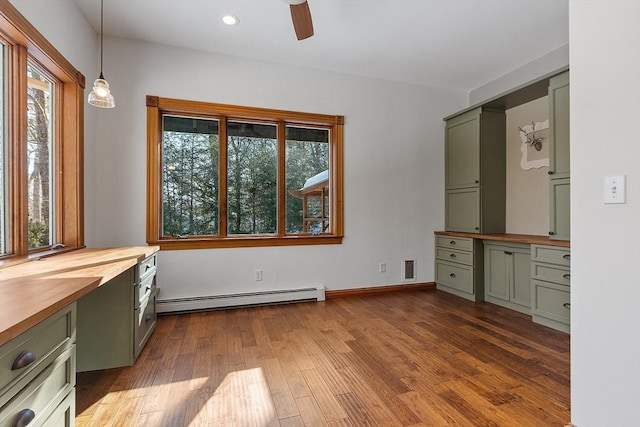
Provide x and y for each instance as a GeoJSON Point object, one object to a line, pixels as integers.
{"type": "Point", "coordinates": [239, 300]}
{"type": "Point", "coordinates": [409, 270]}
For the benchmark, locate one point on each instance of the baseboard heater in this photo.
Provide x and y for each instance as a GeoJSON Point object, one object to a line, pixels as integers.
{"type": "Point", "coordinates": [239, 300]}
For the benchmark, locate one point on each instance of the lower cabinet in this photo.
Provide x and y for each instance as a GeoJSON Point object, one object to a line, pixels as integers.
{"type": "Point", "coordinates": [551, 286]}
{"type": "Point", "coordinates": [458, 266]}
{"type": "Point", "coordinates": [507, 275]}
{"type": "Point", "coordinates": [38, 376]}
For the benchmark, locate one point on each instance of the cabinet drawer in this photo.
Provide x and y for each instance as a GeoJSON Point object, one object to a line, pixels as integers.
{"type": "Point", "coordinates": [147, 267]}
{"type": "Point", "coordinates": [65, 414]}
{"type": "Point", "coordinates": [42, 343]}
{"type": "Point", "coordinates": [551, 301]}
{"type": "Point", "coordinates": [455, 276]}
{"type": "Point", "coordinates": [42, 395]}
{"type": "Point", "coordinates": [454, 256]}
{"type": "Point", "coordinates": [146, 318]}
{"type": "Point", "coordinates": [458, 243]}
{"type": "Point", "coordinates": [551, 273]}
{"type": "Point", "coordinates": [144, 289]}
{"type": "Point", "coordinates": [551, 254]}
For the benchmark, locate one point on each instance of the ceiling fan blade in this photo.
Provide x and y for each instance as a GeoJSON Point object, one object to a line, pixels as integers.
{"type": "Point", "coordinates": [301, 16]}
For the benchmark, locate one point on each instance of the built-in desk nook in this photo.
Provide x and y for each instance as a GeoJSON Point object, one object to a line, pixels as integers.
{"type": "Point", "coordinates": [82, 310]}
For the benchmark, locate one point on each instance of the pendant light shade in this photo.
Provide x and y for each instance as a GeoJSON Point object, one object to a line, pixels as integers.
{"type": "Point", "coordinates": [101, 96]}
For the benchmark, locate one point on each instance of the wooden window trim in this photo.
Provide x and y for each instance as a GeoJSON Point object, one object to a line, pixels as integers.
{"type": "Point", "coordinates": [157, 106]}
{"type": "Point", "coordinates": [24, 44]}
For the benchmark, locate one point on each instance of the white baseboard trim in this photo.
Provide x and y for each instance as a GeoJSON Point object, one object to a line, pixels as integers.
{"type": "Point", "coordinates": [237, 300]}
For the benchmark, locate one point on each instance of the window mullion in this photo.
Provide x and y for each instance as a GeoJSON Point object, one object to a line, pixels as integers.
{"type": "Point", "coordinates": [17, 136]}
{"type": "Point", "coordinates": [222, 179]}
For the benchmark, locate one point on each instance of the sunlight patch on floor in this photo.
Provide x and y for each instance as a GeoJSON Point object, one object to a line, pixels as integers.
{"type": "Point", "coordinates": [242, 399]}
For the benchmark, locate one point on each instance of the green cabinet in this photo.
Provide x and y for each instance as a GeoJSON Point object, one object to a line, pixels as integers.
{"type": "Point", "coordinates": [559, 206]}
{"type": "Point", "coordinates": [559, 124]}
{"type": "Point", "coordinates": [559, 171]}
{"type": "Point", "coordinates": [458, 266]}
{"type": "Point", "coordinates": [551, 286]}
{"type": "Point", "coordinates": [475, 171]}
{"type": "Point", "coordinates": [507, 275]}
{"type": "Point", "coordinates": [37, 373]}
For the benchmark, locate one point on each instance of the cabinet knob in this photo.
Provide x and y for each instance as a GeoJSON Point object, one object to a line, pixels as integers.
{"type": "Point", "coordinates": [566, 256]}
{"type": "Point", "coordinates": [477, 228]}
{"type": "Point", "coordinates": [567, 305]}
{"type": "Point", "coordinates": [552, 233]}
{"type": "Point", "coordinates": [23, 360]}
{"type": "Point", "coordinates": [567, 276]}
{"type": "Point", "coordinates": [452, 275]}
{"type": "Point", "coordinates": [477, 181]}
{"type": "Point", "coordinates": [148, 318]}
{"type": "Point", "coordinates": [24, 418]}
{"type": "Point", "coordinates": [550, 172]}
{"type": "Point", "coordinates": [452, 255]}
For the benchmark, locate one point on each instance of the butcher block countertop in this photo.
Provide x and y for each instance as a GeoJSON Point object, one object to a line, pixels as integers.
{"type": "Point", "coordinates": [34, 290]}
{"type": "Point", "coordinates": [507, 237]}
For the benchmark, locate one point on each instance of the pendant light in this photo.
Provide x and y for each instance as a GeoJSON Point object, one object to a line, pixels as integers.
{"type": "Point", "coordinates": [101, 96]}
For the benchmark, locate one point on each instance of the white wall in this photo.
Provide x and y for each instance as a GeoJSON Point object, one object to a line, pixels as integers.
{"type": "Point", "coordinates": [547, 65]}
{"type": "Point", "coordinates": [605, 246]}
{"type": "Point", "coordinates": [62, 23]}
{"type": "Point", "coordinates": [393, 168]}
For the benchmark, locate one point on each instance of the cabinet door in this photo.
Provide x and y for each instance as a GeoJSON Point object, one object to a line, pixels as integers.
{"type": "Point", "coordinates": [496, 270]}
{"type": "Point", "coordinates": [559, 191]}
{"type": "Point", "coordinates": [462, 209]}
{"type": "Point", "coordinates": [521, 285]}
{"type": "Point", "coordinates": [559, 124]}
{"type": "Point", "coordinates": [462, 150]}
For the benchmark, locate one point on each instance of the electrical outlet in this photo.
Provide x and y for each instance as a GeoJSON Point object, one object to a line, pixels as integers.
{"type": "Point", "coordinates": [258, 275]}
{"type": "Point", "coordinates": [383, 267]}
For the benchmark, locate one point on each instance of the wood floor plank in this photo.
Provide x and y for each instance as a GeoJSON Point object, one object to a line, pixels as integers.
{"type": "Point", "coordinates": [415, 358]}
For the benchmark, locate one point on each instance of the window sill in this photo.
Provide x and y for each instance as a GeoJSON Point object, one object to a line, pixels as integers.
{"type": "Point", "coordinates": [12, 260]}
{"type": "Point", "coordinates": [244, 242]}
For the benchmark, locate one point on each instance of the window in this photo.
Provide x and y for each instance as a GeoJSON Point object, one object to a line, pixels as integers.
{"type": "Point", "coordinates": [40, 147]}
{"type": "Point", "coordinates": [230, 176]}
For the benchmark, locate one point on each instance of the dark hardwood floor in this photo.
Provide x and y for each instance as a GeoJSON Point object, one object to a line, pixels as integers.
{"type": "Point", "coordinates": [417, 358]}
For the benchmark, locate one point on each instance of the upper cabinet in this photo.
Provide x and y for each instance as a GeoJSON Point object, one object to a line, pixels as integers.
{"type": "Point", "coordinates": [559, 125]}
{"type": "Point", "coordinates": [475, 171]}
{"type": "Point", "coordinates": [559, 172]}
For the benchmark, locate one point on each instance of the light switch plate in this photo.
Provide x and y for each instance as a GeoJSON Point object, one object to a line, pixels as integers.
{"type": "Point", "coordinates": [615, 189]}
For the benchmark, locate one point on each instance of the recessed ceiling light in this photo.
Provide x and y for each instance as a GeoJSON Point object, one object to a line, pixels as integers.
{"type": "Point", "coordinates": [230, 19]}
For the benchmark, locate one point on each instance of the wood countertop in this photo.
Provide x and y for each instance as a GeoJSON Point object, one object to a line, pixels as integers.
{"type": "Point", "coordinates": [508, 237]}
{"type": "Point", "coordinates": [34, 290]}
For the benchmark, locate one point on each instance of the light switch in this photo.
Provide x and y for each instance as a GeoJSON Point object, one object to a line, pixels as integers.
{"type": "Point", "coordinates": [615, 189]}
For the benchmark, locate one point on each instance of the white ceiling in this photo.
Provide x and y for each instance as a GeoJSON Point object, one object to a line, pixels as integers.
{"type": "Point", "coordinates": [458, 44]}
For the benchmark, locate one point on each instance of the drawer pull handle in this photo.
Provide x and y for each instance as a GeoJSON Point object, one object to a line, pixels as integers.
{"type": "Point", "coordinates": [566, 276]}
{"type": "Point", "coordinates": [551, 233]}
{"type": "Point", "coordinates": [508, 253]}
{"type": "Point", "coordinates": [24, 418]}
{"type": "Point", "coordinates": [23, 360]}
{"type": "Point", "coordinates": [453, 275]}
{"type": "Point", "coordinates": [452, 255]}
{"type": "Point", "coordinates": [147, 267]}
{"type": "Point", "coordinates": [453, 242]}
{"type": "Point", "coordinates": [550, 172]}
{"type": "Point", "coordinates": [567, 305]}
{"type": "Point", "coordinates": [566, 256]}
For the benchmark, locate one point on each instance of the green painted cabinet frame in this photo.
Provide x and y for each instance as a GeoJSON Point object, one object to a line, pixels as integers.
{"type": "Point", "coordinates": [559, 157]}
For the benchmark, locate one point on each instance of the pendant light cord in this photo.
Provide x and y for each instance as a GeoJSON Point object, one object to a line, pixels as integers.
{"type": "Point", "coordinates": [101, 35]}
